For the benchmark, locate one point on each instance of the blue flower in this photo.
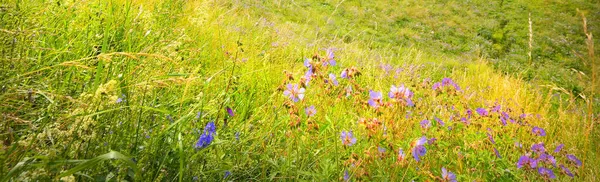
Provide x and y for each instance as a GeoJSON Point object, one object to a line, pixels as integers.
{"type": "Point", "coordinates": [333, 79]}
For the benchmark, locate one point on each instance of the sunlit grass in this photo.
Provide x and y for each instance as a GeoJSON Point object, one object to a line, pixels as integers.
{"type": "Point", "coordinates": [143, 78]}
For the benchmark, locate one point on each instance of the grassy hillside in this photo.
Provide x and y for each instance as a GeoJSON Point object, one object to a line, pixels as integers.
{"type": "Point", "coordinates": [209, 91]}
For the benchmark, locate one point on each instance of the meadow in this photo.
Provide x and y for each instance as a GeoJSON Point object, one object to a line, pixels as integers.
{"type": "Point", "coordinates": [335, 90]}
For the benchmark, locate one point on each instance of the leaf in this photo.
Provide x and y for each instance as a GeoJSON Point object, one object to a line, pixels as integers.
{"type": "Point", "coordinates": [96, 161]}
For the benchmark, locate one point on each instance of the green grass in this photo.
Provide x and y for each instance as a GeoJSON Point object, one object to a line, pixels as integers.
{"type": "Point", "coordinates": [177, 65]}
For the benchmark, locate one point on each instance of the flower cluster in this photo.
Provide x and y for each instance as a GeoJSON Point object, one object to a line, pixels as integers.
{"type": "Point", "coordinates": [207, 136]}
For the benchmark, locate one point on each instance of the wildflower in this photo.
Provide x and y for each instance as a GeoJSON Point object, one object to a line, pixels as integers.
{"type": "Point", "coordinates": [547, 159]}
{"type": "Point", "coordinates": [491, 138]}
{"type": "Point", "coordinates": [450, 82]}
{"type": "Point", "coordinates": [538, 148]}
{"type": "Point", "coordinates": [330, 58]}
{"type": "Point", "coordinates": [207, 137]}
{"type": "Point", "coordinates": [346, 175]}
{"type": "Point", "coordinates": [227, 173]}
{"type": "Point", "coordinates": [401, 155]}
{"type": "Point", "coordinates": [419, 149]}
{"type": "Point", "coordinates": [210, 128]}
{"type": "Point", "coordinates": [375, 100]}
{"type": "Point", "coordinates": [307, 64]}
{"type": "Point", "coordinates": [431, 141]}
{"type": "Point", "coordinates": [546, 173]}
{"type": "Point", "coordinates": [523, 116]}
{"type": "Point", "coordinates": [558, 148]}
{"type": "Point", "coordinates": [482, 112]}
{"type": "Point", "coordinates": [294, 92]}
{"type": "Point", "coordinates": [538, 131]}
{"type": "Point", "coordinates": [469, 113]}
{"type": "Point", "coordinates": [497, 153]}
{"type": "Point", "coordinates": [439, 121]}
{"type": "Point", "coordinates": [425, 124]}
{"type": "Point", "coordinates": [496, 108]}
{"type": "Point", "coordinates": [310, 111]}
{"type": "Point", "coordinates": [347, 138]}
{"type": "Point", "coordinates": [204, 140]}
{"type": "Point", "coordinates": [381, 150]}
{"type": "Point", "coordinates": [333, 79]}
{"type": "Point", "coordinates": [344, 74]}
{"type": "Point", "coordinates": [237, 136]}
{"type": "Point", "coordinates": [566, 170]}
{"type": "Point", "coordinates": [198, 115]}
{"type": "Point", "coordinates": [448, 176]}
{"type": "Point", "coordinates": [574, 159]}
{"type": "Point", "coordinates": [526, 161]}
{"type": "Point", "coordinates": [230, 112]}
{"type": "Point", "coordinates": [465, 121]}
{"type": "Point", "coordinates": [400, 92]}
{"type": "Point", "coordinates": [436, 86]}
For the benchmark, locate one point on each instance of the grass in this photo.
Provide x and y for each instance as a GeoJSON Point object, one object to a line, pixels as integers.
{"type": "Point", "coordinates": [122, 90]}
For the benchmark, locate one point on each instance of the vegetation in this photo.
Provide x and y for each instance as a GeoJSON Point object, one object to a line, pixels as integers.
{"type": "Point", "coordinates": [178, 90]}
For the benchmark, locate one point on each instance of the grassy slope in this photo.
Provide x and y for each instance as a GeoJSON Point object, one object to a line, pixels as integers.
{"type": "Point", "coordinates": [179, 58]}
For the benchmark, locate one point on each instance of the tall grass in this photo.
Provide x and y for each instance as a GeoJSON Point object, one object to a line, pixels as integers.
{"type": "Point", "coordinates": [130, 85]}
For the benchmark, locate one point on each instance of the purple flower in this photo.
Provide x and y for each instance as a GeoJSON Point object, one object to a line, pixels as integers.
{"type": "Point", "coordinates": [425, 124]}
{"type": "Point", "coordinates": [547, 159]}
{"type": "Point", "coordinates": [538, 131]}
{"type": "Point", "coordinates": [344, 74]}
{"type": "Point", "coordinates": [491, 138]}
{"type": "Point", "coordinates": [237, 136]}
{"type": "Point", "coordinates": [347, 138]}
{"type": "Point", "coordinates": [400, 92]}
{"type": "Point", "coordinates": [333, 79]}
{"type": "Point", "coordinates": [204, 140]}
{"type": "Point", "coordinates": [307, 63]}
{"type": "Point", "coordinates": [517, 144]}
{"type": "Point", "coordinates": [381, 149]}
{"type": "Point", "coordinates": [469, 113]}
{"type": "Point", "coordinates": [482, 111]}
{"type": "Point", "coordinates": [330, 58]}
{"type": "Point", "coordinates": [538, 148]}
{"type": "Point", "coordinates": [546, 173]}
{"type": "Point", "coordinates": [227, 173]}
{"type": "Point", "coordinates": [230, 112]}
{"type": "Point", "coordinates": [497, 153]}
{"type": "Point", "coordinates": [431, 141]}
{"type": "Point", "coordinates": [310, 111]}
{"type": "Point", "coordinates": [210, 128]}
{"type": "Point", "coordinates": [437, 86]}
{"type": "Point", "coordinates": [448, 176]}
{"type": "Point", "coordinates": [566, 170]}
{"type": "Point", "coordinates": [558, 148]}
{"type": "Point", "coordinates": [496, 108]}
{"type": "Point", "coordinates": [419, 149]}
{"type": "Point", "coordinates": [375, 100]}
{"type": "Point", "coordinates": [574, 159]}
{"type": "Point", "coordinates": [439, 121]}
{"type": "Point", "coordinates": [294, 92]}
{"type": "Point", "coordinates": [526, 161]}
{"type": "Point", "coordinates": [346, 175]}
{"type": "Point", "coordinates": [465, 121]}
